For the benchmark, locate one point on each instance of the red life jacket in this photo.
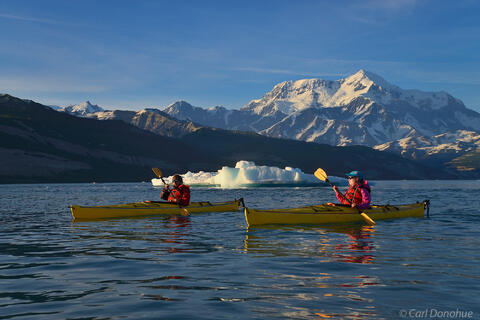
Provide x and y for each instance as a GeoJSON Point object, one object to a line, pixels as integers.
{"type": "Point", "coordinates": [180, 195]}
{"type": "Point", "coordinates": [354, 195]}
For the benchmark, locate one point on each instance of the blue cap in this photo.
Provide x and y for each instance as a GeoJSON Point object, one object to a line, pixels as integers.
{"type": "Point", "coordinates": [355, 174]}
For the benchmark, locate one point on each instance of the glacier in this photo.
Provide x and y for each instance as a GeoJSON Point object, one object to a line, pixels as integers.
{"type": "Point", "coordinates": [246, 174]}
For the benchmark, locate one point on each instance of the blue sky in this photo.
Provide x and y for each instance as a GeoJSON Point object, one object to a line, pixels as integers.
{"type": "Point", "coordinates": [134, 54]}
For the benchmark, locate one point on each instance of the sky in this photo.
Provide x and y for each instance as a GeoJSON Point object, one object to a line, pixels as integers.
{"type": "Point", "coordinates": [137, 54]}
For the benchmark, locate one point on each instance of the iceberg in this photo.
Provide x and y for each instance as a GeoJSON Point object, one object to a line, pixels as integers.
{"type": "Point", "coordinates": [247, 174]}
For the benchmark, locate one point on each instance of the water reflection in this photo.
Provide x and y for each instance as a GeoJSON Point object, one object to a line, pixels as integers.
{"type": "Point", "coordinates": [327, 282]}
{"type": "Point", "coordinates": [171, 232]}
{"type": "Point", "coordinates": [359, 241]}
{"type": "Point", "coordinates": [354, 315]}
{"type": "Point", "coordinates": [322, 242]}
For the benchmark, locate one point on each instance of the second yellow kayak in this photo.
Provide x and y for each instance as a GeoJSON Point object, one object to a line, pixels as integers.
{"type": "Point", "coordinates": [322, 214]}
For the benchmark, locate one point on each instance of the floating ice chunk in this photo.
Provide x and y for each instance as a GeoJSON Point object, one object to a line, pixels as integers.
{"type": "Point", "coordinates": [190, 178]}
{"type": "Point", "coordinates": [246, 174]}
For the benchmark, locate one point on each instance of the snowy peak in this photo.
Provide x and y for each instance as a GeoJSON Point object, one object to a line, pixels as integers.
{"type": "Point", "coordinates": [362, 83]}
{"type": "Point", "coordinates": [217, 109]}
{"type": "Point", "coordinates": [377, 89]}
{"type": "Point", "coordinates": [216, 116]}
{"type": "Point", "coordinates": [292, 96]}
{"type": "Point", "coordinates": [179, 108]}
{"type": "Point", "coordinates": [367, 79]}
{"type": "Point", "coordinates": [182, 110]}
{"type": "Point", "coordinates": [83, 109]}
{"type": "Point", "coordinates": [181, 105]}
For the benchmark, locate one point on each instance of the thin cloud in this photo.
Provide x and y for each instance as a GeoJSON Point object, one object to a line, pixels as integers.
{"type": "Point", "coordinates": [378, 12]}
{"type": "Point", "coordinates": [29, 19]}
{"type": "Point", "coordinates": [390, 4]}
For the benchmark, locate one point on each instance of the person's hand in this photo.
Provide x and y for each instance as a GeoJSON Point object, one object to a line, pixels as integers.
{"type": "Point", "coordinates": [354, 205]}
{"type": "Point", "coordinates": [335, 189]}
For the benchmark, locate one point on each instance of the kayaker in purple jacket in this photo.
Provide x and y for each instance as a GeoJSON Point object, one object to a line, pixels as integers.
{"type": "Point", "coordinates": [358, 193]}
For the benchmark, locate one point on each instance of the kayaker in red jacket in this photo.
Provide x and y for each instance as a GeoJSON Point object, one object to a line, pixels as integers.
{"type": "Point", "coordinates": [358, 193]}
{"type": "Point", "coordinates": [180, 193]}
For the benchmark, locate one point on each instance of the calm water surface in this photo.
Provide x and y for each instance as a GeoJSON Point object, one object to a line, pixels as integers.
{"type": "Point", "coordinates": [210, 266]}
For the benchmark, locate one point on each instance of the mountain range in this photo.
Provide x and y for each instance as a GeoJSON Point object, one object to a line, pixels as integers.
{"type": "Point", "coordinates": [152, 120]}
{"type": "Point", "coordinates": [362, 109]}
{"type": "Point", "coordinates": [39, 144]}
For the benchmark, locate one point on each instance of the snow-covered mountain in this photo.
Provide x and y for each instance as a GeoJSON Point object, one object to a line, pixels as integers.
{"type": "Point", "coordinates": [149, 119]}
{"type": "Point", "coordinates": [360, 109]}
{"type": "Point", "coordinates": [216, 117]}
{"type": "Point", "coordinates": [83, 109]}
{"type": "Point", "coordinates": [443, 147]}
{"type": "Point", "coordinates": [152, 120]}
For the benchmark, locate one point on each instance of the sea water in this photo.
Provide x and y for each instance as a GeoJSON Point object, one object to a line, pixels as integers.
{"type": "Point", "coordinates": [211, 266]}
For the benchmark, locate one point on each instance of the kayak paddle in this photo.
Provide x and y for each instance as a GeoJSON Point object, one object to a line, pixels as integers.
{"type": "Point", "coordinates": [322, 175]}
{"type": "Point", "coordinates": [158, 173]}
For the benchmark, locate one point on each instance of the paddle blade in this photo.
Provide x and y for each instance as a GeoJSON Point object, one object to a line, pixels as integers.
{"type": "Point", "coordinates": [184, 212]}
{"type": "Point", "coordinates": [320, 174]}
{"type": "Point", "coordinates": [368, 219]}
{"type": "Point", "coordinates": [157, 172]}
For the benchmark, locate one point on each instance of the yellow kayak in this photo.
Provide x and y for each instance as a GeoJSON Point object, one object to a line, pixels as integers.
{"type": "Point", "coordinates": [146, 208]}
{"type": "Point", "coordinates": [320, 214]}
